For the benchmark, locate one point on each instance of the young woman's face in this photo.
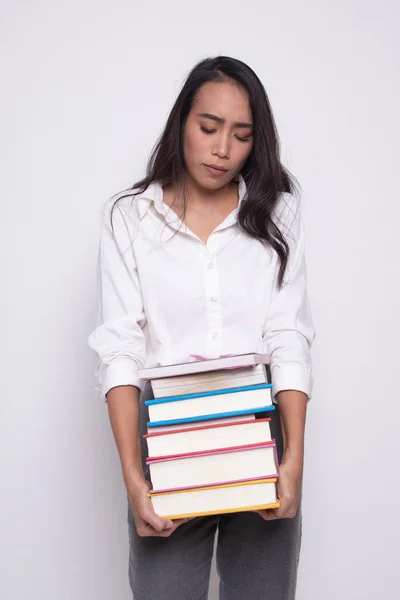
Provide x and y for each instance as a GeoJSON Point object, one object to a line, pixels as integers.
{"type": "Point", "coordinates": [218, 131]}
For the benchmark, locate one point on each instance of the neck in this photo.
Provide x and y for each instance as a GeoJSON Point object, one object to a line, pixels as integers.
{"type": "Point", "coordinates": [200, 198]}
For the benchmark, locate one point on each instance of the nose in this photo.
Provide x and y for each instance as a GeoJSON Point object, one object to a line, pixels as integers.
{"type": "Point", "coordinates": [222, 146]}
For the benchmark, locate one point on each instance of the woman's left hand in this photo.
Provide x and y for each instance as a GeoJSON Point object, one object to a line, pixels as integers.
{"type": "Point", "coordinates": [289, 491]}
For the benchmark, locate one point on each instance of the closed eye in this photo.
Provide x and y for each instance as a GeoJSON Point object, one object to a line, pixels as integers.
{"type": "Point", "coordinates": [209, 131]}
{"type": "Point", "coordinates": [244, 139]}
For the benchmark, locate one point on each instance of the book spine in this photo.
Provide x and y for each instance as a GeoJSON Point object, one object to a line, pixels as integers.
{"type": "Point", "coordinates": [203, 365]}
{"type": "Point", "coordinates": [236, 413]}
{"type": "Point", "coordinates": [158, 459]}
{"type": "Point", "coordinates": [271, 476]}
{"type": "Point", "coordinates": [209, 377]}
{"type": "Point", "coordinates": [203, 427]}
{"type": "Point", "coordinates": [220, 485]}
{"type": "Point", "coordinates": [223, 511]}
{"type": "Point", "coordinates": [247, 388]}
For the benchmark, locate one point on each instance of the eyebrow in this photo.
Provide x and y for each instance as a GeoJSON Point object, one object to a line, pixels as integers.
{"type": "Point", "coordinates": [221, 120]}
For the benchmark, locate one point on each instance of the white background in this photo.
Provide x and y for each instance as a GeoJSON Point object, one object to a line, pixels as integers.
{"type": "Point", "coordinates": [86, 88]}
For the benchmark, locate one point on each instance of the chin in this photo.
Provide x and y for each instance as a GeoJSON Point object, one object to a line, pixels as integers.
{"type": "Point", "coordinates": [204, 180]}
{"type": "Point", "coordinates": [211, 184]}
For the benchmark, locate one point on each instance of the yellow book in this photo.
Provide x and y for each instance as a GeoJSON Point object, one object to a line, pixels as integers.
{"type": "Point", "coordinates": [217, 499]}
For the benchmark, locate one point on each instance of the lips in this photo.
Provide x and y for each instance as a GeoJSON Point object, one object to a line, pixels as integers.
{"type": "Point", "coordinates": [218, 168]}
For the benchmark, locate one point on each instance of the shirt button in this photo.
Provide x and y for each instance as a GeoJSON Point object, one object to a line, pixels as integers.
{"type": "Point", "coordinates": [215, 335]}
{"type": "Point", "coordinates": [214, 299]}
{"type": "Point", "coordinates": [210, 266]}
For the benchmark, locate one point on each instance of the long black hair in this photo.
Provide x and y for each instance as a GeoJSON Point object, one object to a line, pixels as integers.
{"type": "Point", "coordinates": [263, 173]}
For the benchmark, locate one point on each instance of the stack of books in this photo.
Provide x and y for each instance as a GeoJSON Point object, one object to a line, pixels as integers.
{"type": "Point", "coordinates": [209, 443]}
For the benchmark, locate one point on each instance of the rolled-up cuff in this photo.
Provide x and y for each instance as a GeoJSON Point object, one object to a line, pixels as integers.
{"type": "Point", "coordinates": [119, 372]}
{"type": "Point", "coordinates": [291, 376]}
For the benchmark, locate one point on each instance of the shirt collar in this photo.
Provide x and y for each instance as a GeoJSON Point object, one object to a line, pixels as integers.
{"type": "Point", "coordinates": [154, 194]}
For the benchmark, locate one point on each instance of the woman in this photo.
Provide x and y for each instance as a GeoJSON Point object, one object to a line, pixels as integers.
{"type": "Point", "coordinates": [205, 257]}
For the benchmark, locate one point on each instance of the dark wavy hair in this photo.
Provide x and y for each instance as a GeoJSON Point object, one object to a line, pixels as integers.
{"type": "Point", "coordinates": [265, 177]}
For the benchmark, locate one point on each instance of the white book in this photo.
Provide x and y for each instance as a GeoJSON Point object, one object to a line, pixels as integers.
{"type": "Point", "coordinates": [247, 400]}
{"type": "Point", "coordinates": [192, 425]}
{"type": "Point", "coordinates": [200, 366]}
{"type": "Point", "coordinates": [214, 468]}
{"type": "Point", "coordinates": [210, 381]}
{"type": "Point", "coordinates": [208, 437]}
{"type": "Point", "coordinates": [216, 500]}
{"type": "Point", "coordinates": [217, 375]}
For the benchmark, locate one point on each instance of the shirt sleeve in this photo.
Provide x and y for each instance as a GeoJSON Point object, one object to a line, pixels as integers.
{"type": "Point", "coordinates": [289, 331]}
{"type": "Point", "coordinates": [118, 339]}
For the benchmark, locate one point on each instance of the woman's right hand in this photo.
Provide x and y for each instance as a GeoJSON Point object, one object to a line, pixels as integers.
{"type": "Point", "coordinates": [147, 522]}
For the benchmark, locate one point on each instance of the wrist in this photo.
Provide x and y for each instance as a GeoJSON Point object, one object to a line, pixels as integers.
{"type": "Point", "coordinates": [294, 456]}
{"type": "Point", "coordinates": [133, 477]}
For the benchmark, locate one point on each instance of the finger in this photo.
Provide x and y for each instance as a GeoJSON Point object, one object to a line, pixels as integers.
{"type": "Point", "coordinates": [270, 514]}
{"type": "Point", "coordinates": [283, 510]}
{"type": "Point", "coordinates": [176, 523]}
{"type": "Point", "coordinates": [169, 532]}
{"type": "Point", "coordinates": [288, 512]}
{"type": "Point", "coordinates": [267, 514]}
{"type": "Point", "coordinates": [159, 524]}
{"type": "Point", "coordinates": [146, 530]}
{"type": "Point", "coordinates": [149, 530]}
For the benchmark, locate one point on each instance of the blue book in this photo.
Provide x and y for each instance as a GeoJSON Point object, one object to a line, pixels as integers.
{"type": "Point", "coordinates": [237, 413]}
{"type": "Point", "coordinates": [205, 394]}
{"type": "Point", "coordinates": [210, 405]}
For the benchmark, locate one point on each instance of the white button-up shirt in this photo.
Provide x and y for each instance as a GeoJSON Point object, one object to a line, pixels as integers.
{"type": "Point", "coordinates": [165, 297]}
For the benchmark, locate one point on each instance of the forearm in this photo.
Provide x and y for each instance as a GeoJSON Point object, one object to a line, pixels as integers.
{"type": "Point", "coordinates": [292, 409]}
{"type": "Point", "coordinates": [123, 408]}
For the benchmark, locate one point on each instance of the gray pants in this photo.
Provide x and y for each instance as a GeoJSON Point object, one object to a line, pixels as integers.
{"type": "Point", "coordinates": [256, 559]}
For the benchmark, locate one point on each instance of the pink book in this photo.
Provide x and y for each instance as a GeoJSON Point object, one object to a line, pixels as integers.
{"type": "Point", "coordinates": [202, 365]}
{"type": "Point", "coordinates": [188, 471]}
{"type": "Point", "coordinates": [197, 428]}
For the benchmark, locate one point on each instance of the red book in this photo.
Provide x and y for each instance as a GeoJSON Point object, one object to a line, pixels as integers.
{"type": "Point", "coordinates": [217, 467]}
{"type": "Point", "coordinates": [203, 438]}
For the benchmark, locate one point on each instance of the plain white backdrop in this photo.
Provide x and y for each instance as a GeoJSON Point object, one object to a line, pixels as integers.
{"type": "Point", "coordinates": [86, 88]}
